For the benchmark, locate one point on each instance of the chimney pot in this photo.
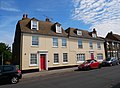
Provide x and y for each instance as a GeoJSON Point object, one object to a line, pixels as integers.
{"type": "Point", "coordinates": [47, 19]}
{"type": "Point", "coordinates": [26, 15]}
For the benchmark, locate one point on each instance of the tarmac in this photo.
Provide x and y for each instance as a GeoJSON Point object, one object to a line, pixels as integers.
{"type": "Point", "coordinates": [48, 72]}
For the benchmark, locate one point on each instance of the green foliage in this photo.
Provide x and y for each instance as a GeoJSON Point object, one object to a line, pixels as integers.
{"type": "Point", "coordinates": [6, 51]}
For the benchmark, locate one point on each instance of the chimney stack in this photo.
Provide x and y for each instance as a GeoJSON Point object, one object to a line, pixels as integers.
{"type": "Point", "coordinates": [94, 31]}
{"type": "Point", "coordinates": [24, 16]}
{"type": "Point", "coordinates": [47, 19]}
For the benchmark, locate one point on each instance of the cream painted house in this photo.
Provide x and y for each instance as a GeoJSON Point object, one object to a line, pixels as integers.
{"type": "Point", "coordinates": [42, 45]}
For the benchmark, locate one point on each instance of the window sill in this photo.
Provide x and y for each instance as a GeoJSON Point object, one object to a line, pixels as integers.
{"type": "Point", "coordinates": [56, 63]}
{"type": "Point", "coordinates": [33, 65]}
{"type": "Point", "coordinates": [34, 45]}
{"type": "Point", "coordinates": [63, 46]}
{"type": "Point", "coordinates": [80, 62]}
{"type": "Point", "coordinates": [100, 60]}
{"type": "Point", "coordinates": [55, 47]}
{"type": "Point", "coordinates": [65, 62]}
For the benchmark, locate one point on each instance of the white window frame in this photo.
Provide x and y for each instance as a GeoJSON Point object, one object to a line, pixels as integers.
{"type": "Point", "coordinates": [80, 56]}
{"type": "Point", "coordinates": [91, 44]}
{"type": "Point", "coordinates": [64, 42]}
{"type": "Point", "coordinates": [36, 59]}
{"type": "Point", "coordinates": [65, 58]}
{"type": "Point", "coordinates": [80, 45]}
{"type": "Point", "coordinates": [58, 28]}
{"type": "Point", "coordinates": [55, 42]}
{"type": "Point", "coordinates": [34, 25]}
{"type": "Point", "coordinates": [79, 32]}
{"type": "Point", "coordinates": [35, 41]}
{"type": "Point", "coordinates": [94, 35]}
{"type": "Point", "coordinates": [98, 45]}
{"type": "Point", "coordinates": [100, 55]}
{"type": "Point", "coordinates": [54, 58]}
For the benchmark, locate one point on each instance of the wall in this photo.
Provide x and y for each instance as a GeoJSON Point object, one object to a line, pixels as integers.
{"type": "Point", "coordinates": [45, 44]}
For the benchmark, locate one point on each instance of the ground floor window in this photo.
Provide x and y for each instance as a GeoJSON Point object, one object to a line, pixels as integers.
{"type": "Point", "coordinates": [100, 56]}
{"type": "Point", "coordinates": [33, 59]}
{"type": "Point", "coordinates": [56, 58]}
{"type": "Point", "coordinates": [80, 57]}
{"type": "Point", "coordinates": [65, 57]}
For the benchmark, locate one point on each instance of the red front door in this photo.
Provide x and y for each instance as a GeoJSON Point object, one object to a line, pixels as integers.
{"type": "Point", "coordinates": [43, 61]}
{"type": "Point", "coordinates": [92, 56]}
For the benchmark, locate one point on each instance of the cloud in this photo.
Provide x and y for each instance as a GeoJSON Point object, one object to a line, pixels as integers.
{"type": "Point", "coordinates": [8, 6]}
{"type": "Point", "coordinates": [104, 15]}
{"type": "Point", "coordinates": [7, 28]}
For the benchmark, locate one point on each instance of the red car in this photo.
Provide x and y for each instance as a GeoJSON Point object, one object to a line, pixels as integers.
{"type": "Point", "coordinates": [89, 64]}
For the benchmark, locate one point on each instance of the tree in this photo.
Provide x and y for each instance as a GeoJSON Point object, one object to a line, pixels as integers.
{"type": "Point", "coordinates": [5, 53]}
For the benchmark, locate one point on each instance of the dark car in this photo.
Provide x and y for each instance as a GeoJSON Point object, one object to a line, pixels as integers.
{"type": "Point", "coordinates": [110, 62]}
{"type": "Point", "coordinates": [89, 64]}
{"type": "Point", "coordinates": [10, 73]}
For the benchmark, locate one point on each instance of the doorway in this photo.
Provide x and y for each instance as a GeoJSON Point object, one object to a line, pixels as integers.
{"type": "Point", "coordinates": [43, 61]}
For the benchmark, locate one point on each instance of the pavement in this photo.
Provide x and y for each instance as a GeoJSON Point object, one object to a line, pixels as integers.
{"type": "Point", "coordinates": [49, 72]}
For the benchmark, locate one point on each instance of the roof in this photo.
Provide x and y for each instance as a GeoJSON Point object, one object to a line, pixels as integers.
{"type": "Point", "coordinates": [117, 36]}
{"type": "Point", "coordinates": [112, 36]}
{"type": "Point", "coordinates": [72, 32]}
{"type": "Point", "coordinates": [48, 28]}
{"type": "Point", "coordinates": [45, 28]}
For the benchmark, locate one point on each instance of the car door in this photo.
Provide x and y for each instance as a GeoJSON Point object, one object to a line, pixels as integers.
{"type": "Point", "coordinates": [96, 64]}
{"type": "Point", "coordinates": [7, 71]}
{"type": "Point", "coordinates": [0, 72]}
{"type": "Point", "coordinates": [92, 65]}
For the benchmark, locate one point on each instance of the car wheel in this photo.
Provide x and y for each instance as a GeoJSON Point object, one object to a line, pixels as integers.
{"type": "Point", "coordinates": [88, 68]}
{"type": "Point", "coordinates": [99, 66]}
{"type": "Point", "coordinates": [111, 64]}
{"type": "Point", "coordinates": [14, 80]}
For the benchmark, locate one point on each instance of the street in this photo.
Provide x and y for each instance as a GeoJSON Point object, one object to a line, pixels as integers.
{"type": "Point", "coordinates": [106, 77]}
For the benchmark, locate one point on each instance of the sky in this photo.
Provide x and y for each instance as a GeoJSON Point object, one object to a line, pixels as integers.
{"type": "Point", "coordinates": [103, 15]}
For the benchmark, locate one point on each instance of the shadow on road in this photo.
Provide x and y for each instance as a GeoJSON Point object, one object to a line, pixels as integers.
{"type": "Point", "coordinates": [116, 86]}
{"type": "Point", "coordinates": [5, 83]}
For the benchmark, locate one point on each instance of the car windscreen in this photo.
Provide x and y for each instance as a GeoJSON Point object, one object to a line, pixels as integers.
{"type": "Point", "coordinates": [88, 61]}
{"type": "Point", "coordinates": [108, 59]}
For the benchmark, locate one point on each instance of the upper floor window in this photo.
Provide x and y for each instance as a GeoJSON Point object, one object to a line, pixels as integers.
{"type": "Point", "coordinates": [58, 28]}
{"type": "Point", "coordinates": [64, 42]}
{"type": "Point", "coordinates": [34, 24]}
{"type": "Point", "coordinates": [108, 45]}
{"type": "Point", "coordinates": [118, 46]}
{"type": "Point", "coordinates": [91, 44]}
{"type": "Point", "coordinates": [79, 32]}
{"type": "Point", "coordinates": [80, 43]}
{"type": "Point", "coordinates": [35, 40]}
{"type": "Point", "coordinates": [98, 45]}
{"type": "Point", "coordinates": [113, 45]}
{"type": "Point", "coordinates": [94, 35]}
{"type": "Point", "coordinates": [55, 42]}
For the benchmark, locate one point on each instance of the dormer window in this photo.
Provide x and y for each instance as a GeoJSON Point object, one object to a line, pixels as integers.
{"type": "Point", "coordinates": [34, 24]}
{"type": "Point", "coordinates": [94, 35]}
{"type": "Point", "coordinates": [58, 28]}
{"type": "Point", "coordinates": [79, 32]}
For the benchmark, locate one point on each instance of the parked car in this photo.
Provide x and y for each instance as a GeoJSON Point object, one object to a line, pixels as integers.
{"type": "Point", "coordinates": [110, 61]}
{"type": "Point", "coordinates": [10, 73]}
{"type": "Point", "coordinates": [89, 64]}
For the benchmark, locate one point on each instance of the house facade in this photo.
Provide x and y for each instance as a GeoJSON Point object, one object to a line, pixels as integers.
{"type": "Point", "coordinates": [44, 45]}
{"type": "Point", "coordinates": [112, 45]}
